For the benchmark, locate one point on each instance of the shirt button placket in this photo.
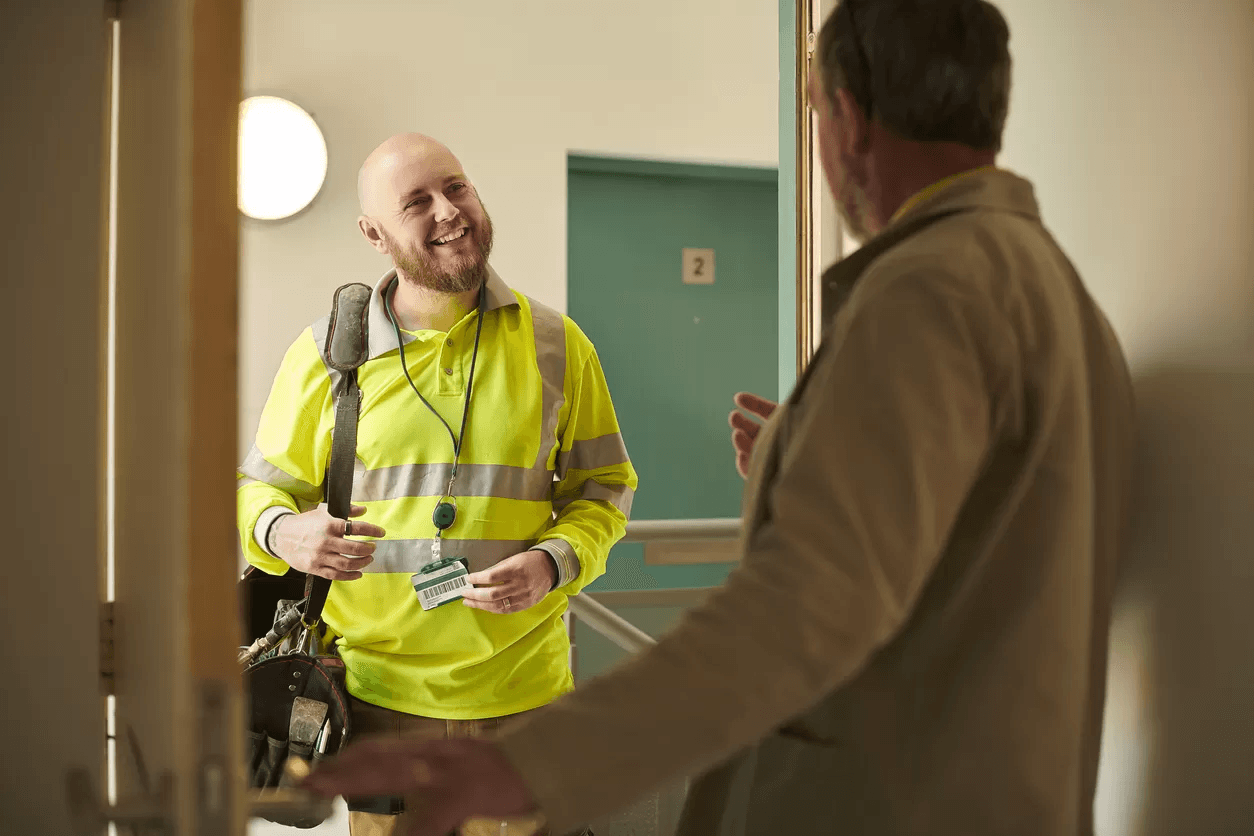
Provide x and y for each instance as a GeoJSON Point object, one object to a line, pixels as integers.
{"type": "Point", "coordinates": [448, 380]}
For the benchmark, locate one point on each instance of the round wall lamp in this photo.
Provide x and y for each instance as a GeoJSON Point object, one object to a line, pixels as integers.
{"type": "Point", "coordinates": [282, 158]}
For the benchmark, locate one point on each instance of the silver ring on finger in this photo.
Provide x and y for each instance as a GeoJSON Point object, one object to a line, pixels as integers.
{"type": "Point", "coordinates": [348, 528]}
{"type": "Point", "coordinates": [507, 605]}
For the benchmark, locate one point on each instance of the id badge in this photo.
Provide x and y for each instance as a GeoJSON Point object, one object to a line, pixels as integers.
{"type": "Point", "coordinates": [440, 582]}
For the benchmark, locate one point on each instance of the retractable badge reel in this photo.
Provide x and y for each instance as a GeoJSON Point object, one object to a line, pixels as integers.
{"type": "Point", "coordinates": [444, 578]}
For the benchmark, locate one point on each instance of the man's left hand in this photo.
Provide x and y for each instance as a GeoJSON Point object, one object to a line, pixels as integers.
{"type": "Point", "coordinates": [514, 584]}
{"type": "Point", "coordinates": [444, 782]}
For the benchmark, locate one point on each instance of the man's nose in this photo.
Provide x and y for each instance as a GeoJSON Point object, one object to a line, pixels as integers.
{"type": "Point", "coordinates": [444, 209]}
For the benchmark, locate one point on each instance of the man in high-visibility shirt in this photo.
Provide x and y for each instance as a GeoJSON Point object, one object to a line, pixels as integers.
{"type": "Point", "coordinates": [486, 434]}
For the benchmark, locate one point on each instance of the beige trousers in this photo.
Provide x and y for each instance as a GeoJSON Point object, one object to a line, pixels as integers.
{"type": "Point", "coordinates": [372, 720]}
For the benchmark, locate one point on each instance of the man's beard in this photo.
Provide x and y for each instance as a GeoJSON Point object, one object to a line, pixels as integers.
{"type": "Point", "coordinates": [418, 266]}
{"type": "Point", "coordinates": [854, 209]}
{"type": "Point", "coordinates": [852, 203]}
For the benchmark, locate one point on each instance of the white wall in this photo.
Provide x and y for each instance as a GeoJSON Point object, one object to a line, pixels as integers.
{"type": "Point", "coordinates": [1135, 121]}
{"type": "Point", "coordinates": [1132, 117]}
{"type": "Point", "coordinates": [510, 87]}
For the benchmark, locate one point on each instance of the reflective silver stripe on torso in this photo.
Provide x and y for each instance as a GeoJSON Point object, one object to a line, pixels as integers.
{"type": "Point", "coordinates": [410, 556]}
{"type": "Point", "coordinates": [550, 339]}
{"type": "Point", "coordinates": [411, 480]}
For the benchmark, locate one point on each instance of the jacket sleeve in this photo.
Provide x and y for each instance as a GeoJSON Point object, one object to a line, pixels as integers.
{"type": "Point", "coordinates": [595, 479]}
{"type": "Point", "coordinates": [879, 453]}
{"type": "Point", "coordinates": [284, 469]}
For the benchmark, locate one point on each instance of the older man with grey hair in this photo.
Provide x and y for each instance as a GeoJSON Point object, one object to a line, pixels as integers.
{"type": "Point", "coordinates": [914, 641]}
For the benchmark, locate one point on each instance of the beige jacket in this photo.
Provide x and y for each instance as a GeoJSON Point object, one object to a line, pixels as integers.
{"type": "Point", "coordinates": [915, 639]}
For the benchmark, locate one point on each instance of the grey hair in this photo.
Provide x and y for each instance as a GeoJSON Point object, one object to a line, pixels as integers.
{"type": "Point", "coordinates": [928, 70]}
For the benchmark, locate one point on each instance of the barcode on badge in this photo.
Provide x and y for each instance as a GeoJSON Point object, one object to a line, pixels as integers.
{"type": "Point", "coordinates": [441, 587]}
{"type": "Point", "coordinates": [448, 586]}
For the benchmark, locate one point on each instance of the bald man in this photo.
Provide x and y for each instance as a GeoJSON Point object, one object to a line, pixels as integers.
{"type": "Point", "coordinates": [491, 479]}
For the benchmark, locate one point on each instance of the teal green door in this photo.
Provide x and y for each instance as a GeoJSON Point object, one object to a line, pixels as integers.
{"type": "Point", "coordinates": [675, 353]}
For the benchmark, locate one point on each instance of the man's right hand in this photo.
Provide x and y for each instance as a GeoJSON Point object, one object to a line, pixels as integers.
{"type": "Point", "coordinates": [745, 429]}
{"type": "Point", "coordinates": [314, 543]}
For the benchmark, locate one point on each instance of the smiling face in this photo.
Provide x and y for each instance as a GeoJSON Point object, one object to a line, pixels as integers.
{"type": "Point", "coordinates": [422, 211]}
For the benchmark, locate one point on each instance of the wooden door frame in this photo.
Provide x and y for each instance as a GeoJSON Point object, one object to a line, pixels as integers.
{"type": "Point", "coordinates": [178, 685]}
{"type": "Point", "coordinates": [598, 163]}
{"type": "Point", "coordinates": [801, 192]}
{"type": "Point", "coordinates": [809, 191]}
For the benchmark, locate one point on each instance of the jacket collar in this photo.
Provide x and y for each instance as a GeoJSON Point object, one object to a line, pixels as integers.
{"type": "Point", "coordinates": [382, 337]}
{"type": "Point", "coordinates": [988, 189]}
{"type": "Point", "coordinates": [994, 189]}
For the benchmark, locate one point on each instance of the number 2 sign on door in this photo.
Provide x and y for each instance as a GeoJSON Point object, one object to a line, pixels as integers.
{"type": "Point", "coordinates": [698, 266]}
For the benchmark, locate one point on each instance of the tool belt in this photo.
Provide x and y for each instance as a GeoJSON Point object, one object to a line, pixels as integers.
{"type": "Point", "coordinates": [298, 706]}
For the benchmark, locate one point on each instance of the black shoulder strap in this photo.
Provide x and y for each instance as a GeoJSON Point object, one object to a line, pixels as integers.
{"type": "Point", "coordinates": [838, 281]}
{"type": "Point", "coordinates": [345, 350]}
{"type": "Point", "coordinates": [339, 481]}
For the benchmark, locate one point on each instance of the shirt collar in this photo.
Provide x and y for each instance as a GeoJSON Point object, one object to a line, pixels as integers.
{"type": "Point", "coordinates": [382, 337]}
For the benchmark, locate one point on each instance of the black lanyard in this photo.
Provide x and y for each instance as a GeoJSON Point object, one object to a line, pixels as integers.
{"type": "Point", "coordinates": [445, 512]}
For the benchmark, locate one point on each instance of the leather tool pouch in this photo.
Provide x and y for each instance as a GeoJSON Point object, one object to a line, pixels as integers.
{"type": "Point", "coordinates": [273, 685]}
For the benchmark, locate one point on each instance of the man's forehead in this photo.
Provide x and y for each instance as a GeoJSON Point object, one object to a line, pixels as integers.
{"type": "Point", "coordinates": [402, 165]}
{"type": "Point", "coordinates": [424, 171]}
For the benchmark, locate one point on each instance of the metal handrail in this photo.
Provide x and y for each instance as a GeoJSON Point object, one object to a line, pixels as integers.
{"type": "Point", "coordinates": [652, 531]}
{"type": "Point", "coordinates": [674, 597]}
{"type": "Point", "coordinates": [612, 625]}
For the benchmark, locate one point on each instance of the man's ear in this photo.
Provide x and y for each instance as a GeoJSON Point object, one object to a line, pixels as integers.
{"type": "Point", "coordinates": [371, 232]}
{"type": "Point", "coordinates": [855, 130]}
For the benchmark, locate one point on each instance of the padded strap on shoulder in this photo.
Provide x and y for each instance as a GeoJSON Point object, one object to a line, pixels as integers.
{"type": "Point", "coordinates": [348, 335]}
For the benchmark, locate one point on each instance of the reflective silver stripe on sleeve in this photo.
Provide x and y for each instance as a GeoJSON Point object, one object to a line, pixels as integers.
{"type": "Point", "coordinates": [620, 496]}
{"type": "Point", "coordinates": [319, 329]}
{"type": "Point", "coordinates": [494, 480]}
{"type": "Point", "coordinates": [243, 481]}
{"type": "Point", "coordinates": [563, 556]}
{"type": "Point", "coordinates": [550, 336]}
{"type": "Point", "coordinates": [409, 556]}
{"type": "Point", "coordinates": [262, 528]}
{"type": "Point", "coordinates": [256, 467]}
{"type": "Point", "coordinates": [556, 556]}
{"type": "Point", "coordinates": [593, 454]}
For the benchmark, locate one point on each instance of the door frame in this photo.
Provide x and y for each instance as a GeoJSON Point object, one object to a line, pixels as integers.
{"type": "Point", "coordinates": [596, 163]}
{"type": "Point", "coordinates": [800, 194]}
{"type": "Point", "coordinates": [179, 688]}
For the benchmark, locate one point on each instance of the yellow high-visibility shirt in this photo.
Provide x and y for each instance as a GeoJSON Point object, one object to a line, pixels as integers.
{"type": "Point", "coordinates": [543, 465]}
